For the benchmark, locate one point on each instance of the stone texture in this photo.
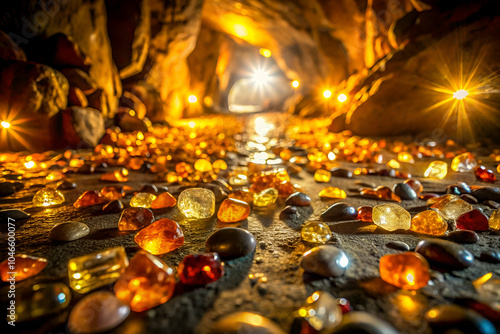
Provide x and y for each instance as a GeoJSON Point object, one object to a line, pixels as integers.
{"type": "Point", "coordinates": [69, 231]}
{"type": "Point", "coordinates": [445, 253]}
{"type": "Point", "coordinates": [10, 50]}
{"type": "Point", "coordinates": [325, 260]}
{"type": "Point", "coordinates": [82, 127]}
{"type": "Point", "coordinates": [231, 242]}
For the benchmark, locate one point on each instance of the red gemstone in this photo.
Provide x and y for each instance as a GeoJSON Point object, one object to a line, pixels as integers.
{"type": "Point", "coordinates": [473, 220]}
{"type": "Point", "coordinates": [485, 175]}
{"type": "Point", "coordinates": [344, 304]}
{"type": "Point", "coordinates": [200, 269]}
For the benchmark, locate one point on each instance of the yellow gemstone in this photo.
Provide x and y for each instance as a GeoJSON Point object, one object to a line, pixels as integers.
{"type": "Point", "coordinates": [197, 203]}
{"type": "Point", "coordinates": [91, 271]}
{"type": "Point", "coordinates": [391, 217]}
{"type": "Point", "coordinates": [322, 175]}
{"type": "Point", "coordinates": [488, 289]}
{"type": "Point", "coordinates": [266, 197]}
{"type": "Point", "coordinates": [316, 232]}
{"type": "Point", "coordinates": [332, 192]}
{"type": "Point", "coordinates": [40, 300]}
{"type": "Point", "coordinates": [142, 200]}
{"type": "Point", "coordinates": [219, 164]}
{"type": "Point", "coordinates": [242, 194]}
{"type": "Point", "coordinates": [464, 162]}
{"type": "Point", "coordinates": [437, 169]}
{"type": "Point", "coordinates": [393, 164]}
{"type": "Point", "coordinates": [429, 222]}
{"type": "Point", "coordinates": [494, 221]}
{"type": "Point", "coordinates": [405, 157]}
{"type": "Point", "coordinates": [55, 176]}
{"type": "Point", "coordinates": [203, 165]}
{"type": "Point", "coordinates": [47, 197]}
{"type": "Point", "coordinates": [172, 177]}
{"type": "Point", "coordinates": [238, 180]}
{"type": "Point", "coordinates": [452, 207]}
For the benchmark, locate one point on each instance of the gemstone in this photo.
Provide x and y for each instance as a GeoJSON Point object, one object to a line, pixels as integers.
{"type": "Point", "coordinates": [98, 312]}
{"type": "Point", "coordinates": [437, 169]}
{"type": "Point", "coordinates": [197, 203]}
{"type": "Point", "coordinates": [116, 176]}
{"type": "Point", "coordinates": [451, 207]}
{"type": "Point", "coordinates": [142, 200]}
{"type": "Point", "coordinates": [488, 289]}
{"type": "Point", "coordinates": [429, 222]}
{"type": "Point", "coordinates": [332, 192]}
{"type": "Point", "coordinates": [47, 197]}
{"type": "Point", "coordinates": [243, 194]}
{"type": "Point", "coordinates": [398, 245]}
{"type": "Point", "coordinates": [200, 269]}
{"type": "Point", "coordinates": [89, 198]}
{"type": "Point", "coordinates": [490, 256]}
{"type": "Point", "coordinates": [365, 214]}
{"type": "Point", "coordinates": [345, 305]}
{"type": "Point", "coordinates": [133, 219]}
{"type": "Point", "coordinates": [408, 270]}
{"type": "Point", "coordinates": [363, 322]}
{"type": "Point", "coordinates": [219, 165]}
{"type": "Point", "coordinates": [298, 199]}
{"type": "Point", "coordinates": [285, 189]}
{"type": "Point", "coordinates": [231, 242]}
{"type": "Point", "coordinates": [325, 260]}
{"type": "Point", "coordinates": [452, 318]}
{"type": "Point", "coordinates": [55, 176]}
{"type": "Point", "coordinates": [266, 197]}
{"type": "Point", "coordinates": [40, 300]}
{"type": "Point", "coordinates": [316, 233]}
{"type": "Point", "coordinates": [13, 215]}
{"type": "Point", "coordinates": [485, 175]}
{"type": "Point", "coordinates": [494, 221]}
{"type": "Point", "coordinates": [387, 194]}
{"type": "Point", "coordinates": [238, 180]}
{"type": "Point", "coordinates": [146, 283]}
{"type": "Point", "coordinates": [163, 236]}
{"type": "Point", "coordinates": [23, 267]}
{"type": "Point", "coordinates": [415, 185]}
{"type": "Point", "coordinates": [165, 200]}
{"type": "Point", "coordinates": [406, 157]}
{"type": "Point", "coordinates": [91, 271]}
{"type": "Point", "coordinates": [232, 210]}
{"type": "Point", "coordinates": [391, 217]}
{"type": "Point", "coordinates": [203, 165]}
{"type": "Point", "coordinates": [66, 185]}
{"type": "Point", "coordinates": [245, 322]}
{"type": "Point", "coordinates": [463, 163]}
{"type": "Point", "coordinates": [322, 175]}
{"type": "Point", "coordinates": [474, 220]}
{"type": "Point", "coordinates": [463, 236]}
{"type": "Point", "coordinates": [405, 191]}
{"type": "Point", "coordinates": [69, 231]}
{"type": "Point", "coordinates": [113, 207]}
{"type": "Point", "coordinates": [113, 192]}
{"type": "Point", "coordinates": [340, 211]}
{"type": "Point", "coordinates": [289, 212]}
{"type": "Point", "coordinates": [321, 312]}
{"type": "Point", "coordinates": [445, 253]}
{"type": "Point", "coordinates": [469, 199]}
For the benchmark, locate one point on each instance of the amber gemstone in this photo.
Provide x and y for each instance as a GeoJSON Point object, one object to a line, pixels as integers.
{"type": "Point", "coordinates": [494, 220]}
{"type": "Point", "coordinates": [415, 185]}
{"type": "Point", "coordinates": [89, 198]}
{"type": "Point", "coordinates": [322, 175]}
{"type": "Point", "coordinates": [142, 200]}
{"type": "Point", "coordinates": [116, 176]}
{"type": "Point", "coordinates": [429, 222]}
{"type": "Point", "coordinates": [162, 236]}
{"type": "Point", "coordinates": [451, 207]}
{"type": "Point", "coordinates": [485, 175]}
{"type": "Point", "coordinates": [332, 192]}
{"type": "Point", "coordinates": [243, 194]}
{"type": "Point", "coordinates": [133, 219]}
{"type": "Point", "coordinates": [473, 220]}
{"type": "Point", "coordinates": [365, 214]}
{"type": "Point", "coordinates": [437, 169]}
{"type": "Point", "coordinates": [146, 283]}
{"type": "Point", "coordinates": [113, 192]}
{"type": "Point", "coordinates": [200, 269]}
{"type": "Point", "coordinates": [47, 197]}
{"type": "Point", "coordinates": [165, 200]}
{"type": "Point", "coordinates": [386, 193]}
{"type": "Point", "coordinates": [285, 189]}
{"type": "Point", "coordinates": [197, 203]}
{"type": "Point", "coordinates": [232, 210]}
{"type": "Point", "coordinates": [23, 267]}
{"type": "Point", "coordinates": [408, 270]}
{"type": "Point", "coordinates": [266, 197]}
{"type": "Point", "coordinates": [203, 165]}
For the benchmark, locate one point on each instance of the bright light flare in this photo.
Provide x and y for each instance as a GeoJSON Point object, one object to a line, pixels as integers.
{"type": "Point", "coordinates": [265, 52]}
{"type": "Point", "coordinates": [262, 127]}
{"type": "Point", "coordinates": [192, 99]}
{"type": "Point", "coordinates": [240, 30]}
{"type": "Point", "coordinates": [460, 94]}
{"type": "Point", "coordinates": [327, 94]}
{"type": "Point", "coordinates": [5, 124]}
{"type": "Point", "coordinates": [295, 83]}
{"type": "Point", "coordinates": [342, 98]}
{"type": "Point", "coordinates": [261, 77]}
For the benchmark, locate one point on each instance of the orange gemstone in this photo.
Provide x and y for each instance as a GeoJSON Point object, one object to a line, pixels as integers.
{"type": "Point", "coordinates": [243, 195]}
{"type": "Point", "coordinates": [485, 175]}
{"type": "Point", "coordinates": [162, 236]}
{"type": "Point", "coordinates": [116, 176]}
{"type": "Point", "coordinates": [429, 222]}
{"type": "Point", "coordinates": [89, 198]}
{"type": "Point", "coordinates": [113, 192]}
{"type": "Point", "coordinates": [332, 192]}
{"type": "Point", "coordinates": [146, 283]}
{"type": "Point", "coordinates": [285, 189]}
{"type": "Point", "coordinates": [386, 193]}
{"type": "Point", "coordinates": [365, 214]}
{"type": "Point", "coordinates": [133, 219]}
{"type": "Point", "coordinates": [23, 267]}
{"type": "Point", "coordinates": [408, 270]}
{"type": "Point", "coordinates": [165, 200]}
{"type": "Point", "coordinates": [232, 210]}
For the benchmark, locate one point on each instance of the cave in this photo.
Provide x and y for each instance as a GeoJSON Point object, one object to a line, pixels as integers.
{"type": "Point", "coordinates": [250, 166]}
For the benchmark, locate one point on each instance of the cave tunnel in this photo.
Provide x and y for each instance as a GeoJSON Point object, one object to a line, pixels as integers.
{"type": "Point", "coordinates": [250, 166]}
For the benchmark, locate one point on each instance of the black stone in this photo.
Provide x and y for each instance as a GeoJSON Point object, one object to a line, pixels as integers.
{"type": "Point", "coordinates": [490, 256]}
{"type": "Point", "coordinates": [113, 207]}
{"type": "Point", "coordinates": [492, 204]}
{"type": "Point", "coordinates": [149, 188]}
{"type": "Point", "coordinates": [339, 212]}
{"type": "Point", "coordinates": [398, 245]}
{"type": "Point", "coordinates": [454, 190]}
{"type": "Point", "coordinates": [16, 215]}
{"type": "Point", "coordinates": [469, 198]}
{"type": "Point", "coordinates": [456, 319]}
{"type": "Point", "coordinates": [463, 187]}
{"type": "Point", "coordinates": [362, 323]}
{"type": "Point", "coordinates": [487, 193]}
{"type": "Point", "coordinates": [445, 253]}
{"type": "Point", "coordinates": [341, 172]}
{"type": "Point", "coordinates": [86, 169]}
{"type": "Point", "coordinates": [404, 191]}
{"type": "Point", "coordinates": [463, 236]}
{"type": "Point", "coordinates": [231, 242]}
{"type": "Point", "coordinates": [66, 185]}
{"type": "Point", "coordinates": [6, 189]}
{"type": "Point", "coordinates": [324, 260]}
{"type": "Point", "coordinates": [298, 199]}
{"type": "Point", "coordinates": [288, 212]}
{"type": "Point", "coordinates": [101, 167]}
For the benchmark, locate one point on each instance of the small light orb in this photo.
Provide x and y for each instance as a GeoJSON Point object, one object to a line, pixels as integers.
{"type": "Point", "coordinates": [192, 99]}
{"type": "Point", "coordinates": [460, 94]}
{"type": "Point", "coordinates": [327, 94]}
{"type": "Point", "coordinates": [265, 52]}
{"type": "Point", "coordinates": [240, 30]}
{"type": "Point", "coordinates": [342, 98]}
{"type": "Point", "coordinates": [295, 83]}
{"type": "Point", "coordinates": [5, 124]}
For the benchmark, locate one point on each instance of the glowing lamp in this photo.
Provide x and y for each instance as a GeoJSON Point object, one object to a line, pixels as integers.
{"type": "Point", "coordinates": [295, 83]}
{"type": "Point", "coordinates": [327, 94]}
{"type": "Point", "coordinates": [342, 98]}
{"type": "Point", "coordinates": [265, 52]}
{"type": "Point", "coordinates": [260, 77]}
{"type": "Point", "coordinates": [192, 99]}
{"type": "Point", "coordinates": [460, 94]}
{"type": "Point", "coordinates": [5, 124]}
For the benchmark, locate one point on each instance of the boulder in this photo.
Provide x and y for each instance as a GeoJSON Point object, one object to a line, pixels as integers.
{"type": "Point", "coordinates": [82, 127]}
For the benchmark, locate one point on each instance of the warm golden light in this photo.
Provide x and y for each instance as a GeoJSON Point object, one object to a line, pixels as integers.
{"type": "Point", "coordinates": [192, 99]}
{"type": "Point", "coordinates": [5, 124]}
{"type": "Point", "coordinates": [265, 52]}
{"type": "Point", "coordinates": [29, 164]}
{"type": "Point", "coordinates": [295, 83]}
{"type": "Point", "coordinates": [240, 30]}
{"type": "Point", "coordinates": [327, 94]}
{"type": "Point", "coordinates": [342, 98]}
{"type": "Point", "coordinates": [460, 94]}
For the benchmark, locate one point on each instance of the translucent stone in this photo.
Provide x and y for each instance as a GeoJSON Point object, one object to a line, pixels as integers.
{"type": "Point", "coordinates": [322, 175]}
{"type": "Point", "coordinates": [463, 163]}
{"type": "Point", "coordinates": [429, 222]}
{"type": "Point", "coordinates": [113, 192]}
{"type": "Point", "coordinates": [219, 165]}
{"type": "Point", "coordinates": [89, 198]}
{"type": "Point", "coordinates": [285, 189]}
{"type": "Point", "coordinates": [494, 221]}
{"type": "Point", "coordinates": [321, 311]}
{"type": "Point", "coordinates": [332, 192]}
{"type": "Point", "coordinates": [161, 237]}
{"type": "Point", "coordinates": [437, 169]}
{"type": "Point", "coordinates": [408, 270]}
{"type": "Point", "coordinates": [23, 267]}
{"type": "Point", "coordinates": [116, 176]}
{"type": "Point", "coordinates": [197, 203]}
{"type": "Point", "coordinates": [488, 288]}
{"type": "Point", "coordinates": [146, 283]}
{"type": "Point", "coordinates": [391, 217]}
{"type": "Point", "coordinates": [238, 180]}
{"type": "Point", "coordinates": [243, 194]}
{"type": "Point", "coordinates": [484, 175]}
{"type": "Point", "coordinates": [47, 197]}
{"type": "Point", "coordinates": [452, 207]}
{"type": "Point", "coordinates": [365, 214]}
{"type": "Point", "coordinates": [406, 157]}
{"type": "Point", "coordinates": [316, 232]}
{"type": "Point", "coordinates": [133, 219]}
{"type": "Point", "coordinates": [91, 271]}
{"type": "Point", "coordinates": [142, 200]}
{"type": "Point", "coordinates": [200, 269]}
{"type": "Point", "coordinates": [165, 200]}
{"type": "Point", "coordinates": [266, 197]}
{"type": "Point", "coordinates": [40, 300]}
{"type": "Point", "coordinates": [474, 220]}
{"type": "Point", "coordinates": [55, 176]}
{"type": "Point", "coordinates": [232, 210]}
{"type": "Point", "coordinates": [203, 165]}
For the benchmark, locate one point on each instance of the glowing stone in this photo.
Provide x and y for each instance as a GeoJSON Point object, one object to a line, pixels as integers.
{"type": "Point", "coordinates": [474, 220]}
{"type": "Point", "coordinates": [91, 271]}
{"type": "Point", "coordinates": [113, 192]}
{"type": "Point", "coordinates": [488, 289]}
{"type": "Point", "coordinates": [437, 169]}
{"type": "Point", "coordinates": [116, 176]}
{"type": "Point", "coordinates": [322, 175]}
{"type": "Point", "coordinates": [23, 267]}
{"type": "Point", "coordinates": [219, 165]}
{"type": "Point", "coordinates": [197, 203]}
{"type": "Point", "coordinates": [200, 269]}
{"type": "Point", "coordinates": [429, 222]}
{"type": "Point", "coordinates": [243, 195]}
{"type": "Point", "coordinates": [161, 237]}
{"type": "Point", "coordinates": [232, 210]}
{"type": "Point", "coordinates": [266, 197]}
{"type": "Point", "coordinates": [47, 197]}
{"type": "Point", "coordinates": [451, 207]}
{"type": "Point", "coordinates": [165, 200]}
{"type": "Point", "coordinates": [316, 233]}
{"type": "Point", "coordinates": [40, 300]}
{"type": "Point", "coordinates": [332, 192]}
{"type": "Point", "coordinates": [494, 221]}
{"type": "Point", "coordinates": [89, 198]}
{"type": "Point", "coordinates": [142, 200]}
{"type": "Point", "coordinates": [321, 312]}
{"type": "Point", "coordinates": [484, 175]}
{"type": "Point", "coordinates": [406, 157]}
{"type": "Point", "coordinates": [203, 165]}
{"type": "Point", "coordinates": [342, 98]}
{"type": "Point", "coordinates": [464, 162]}
{"type": "Point", "coordinates": [133, 219]}
{"type": "Point", "coordinates": [327, 94]}
{"type": "Point", "coordinates": [391, 217]}
{"type": "Point", "coordinates": [146, 283]}
{"type": "Point", "coordinates": [365, 214]}
{"type": "Point", "coordinates": [408, 270]}
{"type": "Point", "coordinates": [295, 83]}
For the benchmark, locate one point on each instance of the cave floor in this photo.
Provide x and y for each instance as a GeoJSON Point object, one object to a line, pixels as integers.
{"type": "Point", "coordinates": [279, 246]}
